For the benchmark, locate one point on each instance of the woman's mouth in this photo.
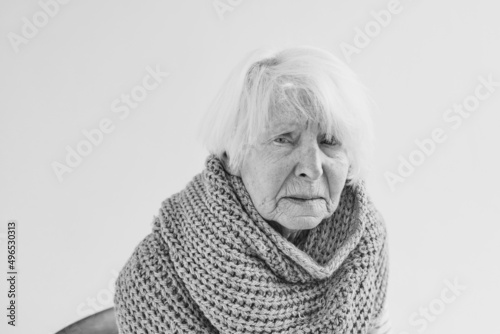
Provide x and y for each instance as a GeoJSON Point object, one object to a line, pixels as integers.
{"type": "Point", "coordinates": [303, 199]}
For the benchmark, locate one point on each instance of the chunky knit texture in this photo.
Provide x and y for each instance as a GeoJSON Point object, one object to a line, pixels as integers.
{"type": "Point", "coordinates": [212, 265]}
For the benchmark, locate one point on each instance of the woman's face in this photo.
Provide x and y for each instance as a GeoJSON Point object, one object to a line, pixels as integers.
{"type": "Point", "coordinates": [294, 175]}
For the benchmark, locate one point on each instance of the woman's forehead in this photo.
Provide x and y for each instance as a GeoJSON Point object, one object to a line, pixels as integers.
{"type": "Point", "coordinates": [280, 124]}
{"type": "Point", "coordinates": [287, 117]}
{"type": "Point", "coordinates": [284, 119]}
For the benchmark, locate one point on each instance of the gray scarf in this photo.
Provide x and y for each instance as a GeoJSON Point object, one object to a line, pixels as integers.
{"type": "Point", "coordinates": [212, 264]}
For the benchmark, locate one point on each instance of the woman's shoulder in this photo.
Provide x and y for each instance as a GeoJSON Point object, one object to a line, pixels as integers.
{"type": "Point", "coordinates": [375, 218]}
{"type": "Point", "coordinates": [139, 281]}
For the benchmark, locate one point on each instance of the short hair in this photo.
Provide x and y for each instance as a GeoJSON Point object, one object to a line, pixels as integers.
{"type": "Point", "coordinates": [307, 81]}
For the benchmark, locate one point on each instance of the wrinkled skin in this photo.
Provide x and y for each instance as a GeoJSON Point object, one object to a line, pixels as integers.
{"type": "Point", "coordinates": [291, 160]}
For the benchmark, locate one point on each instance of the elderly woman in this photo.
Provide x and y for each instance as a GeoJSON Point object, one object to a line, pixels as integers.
{"type": "Point", "coordinates": [277, 234]}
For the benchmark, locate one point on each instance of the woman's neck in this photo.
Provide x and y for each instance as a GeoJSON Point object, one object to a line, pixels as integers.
{"type": "Point", "coordinates": [289, 234]}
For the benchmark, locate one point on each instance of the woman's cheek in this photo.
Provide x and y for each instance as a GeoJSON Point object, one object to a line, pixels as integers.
{"type": "Point", "coordinates": [340, 164]}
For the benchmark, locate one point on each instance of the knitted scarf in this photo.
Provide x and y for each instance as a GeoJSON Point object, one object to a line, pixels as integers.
{"type": "Point", "coordinates": [212, 264]}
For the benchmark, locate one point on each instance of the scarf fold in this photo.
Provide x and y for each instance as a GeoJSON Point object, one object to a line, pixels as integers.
{"type": "Point", "coordinates": [212, 264]}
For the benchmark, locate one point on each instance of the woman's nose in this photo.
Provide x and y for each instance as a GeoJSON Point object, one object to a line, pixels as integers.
{"type": "Point", "coordinates": [309, 163]}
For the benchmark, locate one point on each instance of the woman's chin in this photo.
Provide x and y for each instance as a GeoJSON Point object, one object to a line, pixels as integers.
{"type": "Point", "coordinates": [301, 222]}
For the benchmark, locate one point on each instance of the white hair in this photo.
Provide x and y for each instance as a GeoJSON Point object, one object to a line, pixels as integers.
{"type": "Point", "coordinates": [307, 81]}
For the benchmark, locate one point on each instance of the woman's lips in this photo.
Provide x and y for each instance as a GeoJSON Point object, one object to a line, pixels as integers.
{"type": "Point", "coordinates": [311, 205]}
{"type": "Point", "coordinates": [303, 199]}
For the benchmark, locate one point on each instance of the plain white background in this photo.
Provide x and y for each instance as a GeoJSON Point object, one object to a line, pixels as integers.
{"type": "Point", "coordinates": [74, 235]}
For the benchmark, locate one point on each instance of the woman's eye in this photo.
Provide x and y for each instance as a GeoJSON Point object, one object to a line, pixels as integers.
{"type": "Point", "coordinates": [280, 140]}
{"type": "Point", "coordinates": [330, 141]}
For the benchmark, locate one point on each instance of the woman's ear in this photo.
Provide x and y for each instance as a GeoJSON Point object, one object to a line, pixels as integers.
{"type": "Point", "coordinates": [349, 172]}
{"type": "Point", "coordinates": [225, 160]}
